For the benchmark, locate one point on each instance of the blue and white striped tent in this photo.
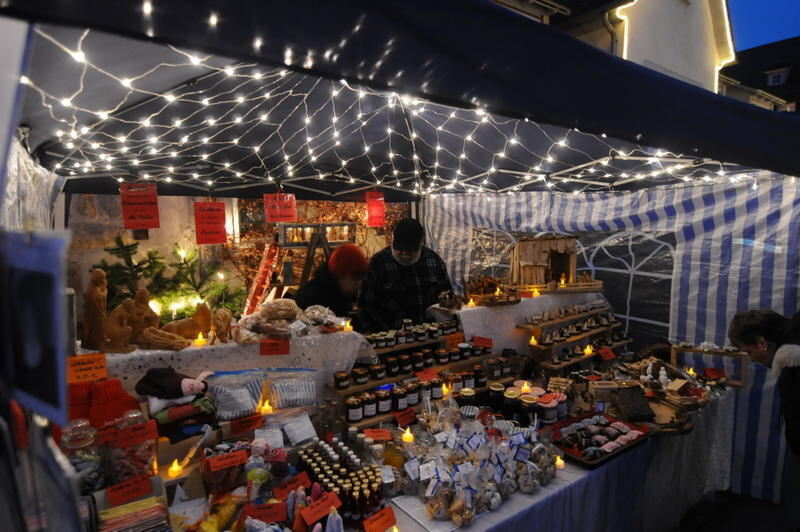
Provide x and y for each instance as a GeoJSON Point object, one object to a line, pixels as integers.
{"type": "Point", "coordinates": [737, 248]}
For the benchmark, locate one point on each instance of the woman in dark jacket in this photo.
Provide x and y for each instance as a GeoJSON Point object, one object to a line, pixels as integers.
{"type": "Point", "coordinates": [336, 283]}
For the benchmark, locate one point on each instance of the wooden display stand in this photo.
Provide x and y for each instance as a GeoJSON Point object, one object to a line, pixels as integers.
{"type": "Point", "coordinates": [743, 357]}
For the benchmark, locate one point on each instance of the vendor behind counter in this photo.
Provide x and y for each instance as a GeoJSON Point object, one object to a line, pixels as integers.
{"type": "Point", "coordinates": [335, 284]}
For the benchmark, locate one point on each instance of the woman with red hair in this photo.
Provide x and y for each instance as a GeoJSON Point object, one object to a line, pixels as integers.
{"type": "Point", "coordinates": [336, 283]}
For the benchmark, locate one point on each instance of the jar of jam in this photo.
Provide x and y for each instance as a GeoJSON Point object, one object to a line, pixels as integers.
{"type": "Point", "coordinates": [427, 355]}
{"type": "Point", "coordinates": [408, 325]}
{"type": "Point", "coordinates": [480, 375]}
{"type": "Point", "coordinates": [456, 382]}
{"type": "Point", "coordinates": [341, 380]}
{"type": "Point", "coordinates": [417, 361]}
{"type": "Point", "coordinates": [391, 340]}
{"type": "Point", "coordinates": [442, 357]}
{"type": "Point", "coordinates": [369, 403]}
{"type": "Point", "coordinates": [377, 371]}
{"type": "Point", "coordinates": [380, 339]}
{"type": "Point", "coordinates": [505, 364]}
{"type": "Point", "coordinates": [401, 337]}
{"type": "Point", "coordinates": [384, 401]}
{"type": "Point", "coordinates": [511, 405]}
{"type": "Point", "coordinates": [424, 391]}
{"type": "Point", "coordinates": [360, 376]}
{"type": "Point", "coordinates": [527, 410]}
{"type": "Point", "coordinates": [469, 380]}
{"type": "Point", "coordinates": [466, 397]}
{"type": "Point", "coordinates": [478, 350]}
{"type": "Point", "coordinates": [355, 409]}
{"type": "Point", "coordinates": [405, 364]}
{"type": "Point", "coordinates": [496, 391]}
{"type": "Point", "coordinates": [412, 394]}
{"type": "Point", "coordinates": [493, 369]}
{"type": "Point", "coordinates": [399, 399]}
{"type": "Point", "coordinates": [392, 366]}
{"type": "Point", "coordinates": [465, 349]}
{"type": "Point", "coordinates": [436, 388]}
{"type": "Point", "coordinates": [455, 355]}
{"type": "Point", "coordinates": [421, 334]}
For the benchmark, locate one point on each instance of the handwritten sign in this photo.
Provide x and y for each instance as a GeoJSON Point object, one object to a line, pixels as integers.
{"type": "Point", "coordinates": [269, 347]}
{"type": "Point", "coordinates": [320, 508]}
{"type": "Point", "coordinates": [224, 461]}
{"type": "Point", "coordinates": [280, 208]}
{"type": "Point", "coordinates": [268, 513]}
{"type": "Point", "coordinates": [426, 374]}
{"type": "Point", "coordinates": [376, 209]}
{"type": "Point", "coordinates": [381, 521]}
{"type": "Point", "coordinates": [480, 341]}
{"type": "Point", "coordinates": [129, 490]}
{"type": "Point", "coordinates": [246, 424]}
{"type": "Point", "coordinates": [282, 492]}
{"type": "Point", "coordinates": [527, 294]}
{"type": "Point", "coordinates": [209, 222]}
{"type": "Point", "coordinates": [378, 434]}
{"type": "Point", "coordinates": [451, 341]}
{"type": "Point", "coordinates": [86, 368]}
{"type": "Point", "coordinates": [136, 434]}
{"type": "Point", "coordinates": [607, 354]}
{"type": "Point", "coordinates": [139, 205]}
{"type": "Point", "coordinates": [406, 417]}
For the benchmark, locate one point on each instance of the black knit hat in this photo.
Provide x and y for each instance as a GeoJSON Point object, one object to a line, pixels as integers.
{"type": "Point", "coordinates": [408, 235]}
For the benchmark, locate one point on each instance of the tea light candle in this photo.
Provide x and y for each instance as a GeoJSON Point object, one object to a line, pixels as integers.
{"type": "Point", "coordinates": [560, 462]}
{"type": "Point", "coordinates": [200, 341]}
{"type": "Point", "coordinates": [175, 469]}
{"type": "Point", "coordinates": [497, 292]}
{"type": "Point", "coordinates": [588, 350]}
{"type": "Point", "coordinates": [533, 341]}
{"type": "Point", "coordinates": [347, 327]}
{"type": "Point", "coordinates": [525, 388]}
{"type": "Point", "coordinates": [265, 408]}
{"type": "Point", "coordinates": [536, 292]}
{"type": "Point", "coordinates": [445, 391]}
{"type": "Point", "coordinates": [407, 436]}
{"type": "Point", "coordinates": [471, 303]}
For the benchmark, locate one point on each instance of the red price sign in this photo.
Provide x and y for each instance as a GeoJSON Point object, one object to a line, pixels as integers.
{"type": "Point", "coordinates": [268, 513]}
{"type": "Point", "coordinates": [451, 341]}
{"type": "Point", "coordinates": [209, 222]}
{"type": "Point", "coordinates": [280, 208]}
{"type": "Point", "coordinates": [246, 424]}
{"type": "Point", "coordinates": [86, 368]}
{"type": "Point", "coordinates": [480, 341]}
{"type": "Point", "coordinates": [270, 347]}
{"type": "Point", "coordinates": [376, 209]}
{"type": "Point", "coordinates": [607, 354]}
{"type": "Point", "coordinates": [526, 294]}
{"type": "Point", "coordinates": [225, 461]}
{"type": "Point", "coordinates": [426, 374]}
{"type": "Point", "coordinates": [282, 492]}
{"type": "Point", "coordinates": [320, 508]}
{"type": "Point", "coordinates": [381, 521]}
{"type": "Point", "coordinates": [406, 417]}
{"type": "Point", "coordinates": [106, 435]}
{"type": "Point", "coordinates": [136, 434]}
{"type": "Point", "coordinates": [139, 205]}
{"type": "Point", "coordinates": [129, 490]}
{"type": "Point", "coordinates": [378, 434]}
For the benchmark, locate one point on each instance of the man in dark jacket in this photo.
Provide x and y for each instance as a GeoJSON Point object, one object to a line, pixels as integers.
{"type": "Point", "coordinates": [403, 280]}
{"type": "Point", "coordinates": [335, 284]}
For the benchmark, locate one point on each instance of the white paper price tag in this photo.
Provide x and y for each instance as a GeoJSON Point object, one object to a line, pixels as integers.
{"type": "Point", "coordinates": [273, 435]}
{"type": "Point", "coordinates": [427, 470]}
{"type": "Point", "coordinates": [498, 474]}
{"type": "Point", "coordinates": [441, 437]}
{"type": "Point", "coordinates": [412, 468]}
{"type": "Point", "coordinates": [387, 475]}
{"type": "Point", "coordinates": [466, 468]}
{"type": "Point", "coordinates": [474, 441]}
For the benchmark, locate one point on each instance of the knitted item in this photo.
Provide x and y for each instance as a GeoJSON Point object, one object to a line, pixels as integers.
{"type": "Point", "coordinates": [204, 405]}
{"type": "Point", "coordinates": [78, 400]}
{"type": "Point", "coordinates": [348, 260]}
{"type": "Point", "coordinates": [109, 402]}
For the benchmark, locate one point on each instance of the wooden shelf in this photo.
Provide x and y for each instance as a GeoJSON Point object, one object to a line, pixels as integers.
{"type": "Point", "coordinates": [387, 418]}
{"type": "Point", "coordinates": [565, 319]}
{"type": "Point", "coordinates": [410, 345]}
{"type": "Point", "coordinates": [578, 338]}
{"type": "Point", "coordinates": [578, 360]}
{"type": "Point", "coordinates": [411, 376]}
{"type": "Point", "coordinates": [743, 357]}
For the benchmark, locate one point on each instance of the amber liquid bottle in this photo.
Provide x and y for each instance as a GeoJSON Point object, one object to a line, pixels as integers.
{"type": "Point", "coordinates": [366, 505]}
{"type": "Point", "coordinates": [355, 513]}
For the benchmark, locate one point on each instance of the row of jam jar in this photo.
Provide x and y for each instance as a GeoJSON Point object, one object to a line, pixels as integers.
{"type": "Point", "coordinates": [525, 408]}
{"type": "Point", "coordinates": [385, 401]}
{"type": "Point", "coordinates": [411, 333]}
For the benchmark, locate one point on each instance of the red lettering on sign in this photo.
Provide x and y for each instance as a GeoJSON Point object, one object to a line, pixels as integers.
{"type": "Point", "coordinates": [378, 434]}
{"type": "Point", "coordinates": [224, 461]}
{"type": "Point", "coordinates": [136, 434]}
{"type": "Point", "coordinates": [274, 347]}
{"type": "Point", "coordinates": [376, 209]}
{"type": "Point", "coordinates": [129, 490]}
{"type": "Point", "coordinates": [209, 222]}
{"type": "Point", "coordinates": [268, 513]}
{"type": "Point", "coordinates": [526, 294]}
{"type": "Point", "coordinates": [246, 424]}
{"type": "Point", "coordinates": [280, 208]}
{"type": "Point", "coordinates": [139, 205]}
{"type": "Point", "coordinates": [86, 368]}
{"type": "Point", "coordinates": [320, 508]}
{"type": "Point", "coordinates": [406, 417]}
{"type": "Point", "coordinates": [282, 492]}
{"type": "Point", "coordinates": [426, 374]}
{"type": "Point", "coordinates": [480, 341]}
{"type": "Point", "coordinates": [451, 341]}
{"type": "Point", "coordinates": [381, 521]}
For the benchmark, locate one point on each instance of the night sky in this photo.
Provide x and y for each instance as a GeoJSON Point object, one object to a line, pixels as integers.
{"type": "Point", "coordinates": [757, 22]}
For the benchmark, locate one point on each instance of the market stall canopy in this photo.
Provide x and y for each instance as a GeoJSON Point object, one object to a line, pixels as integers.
{"type": "Point", "coordinates": [333, 99]}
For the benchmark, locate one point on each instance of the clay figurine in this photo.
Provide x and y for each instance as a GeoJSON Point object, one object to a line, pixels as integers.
{"type": "Point", "coordinates": [94, 313]}
{"type": "Point", "coordinates": [117, 329]}
{"type": "Point", "coordinates": [221, 325]}
{"type": "Point", "coordinates": [189, 328]}
{"type": "Point", "coordinates": [143, 316]}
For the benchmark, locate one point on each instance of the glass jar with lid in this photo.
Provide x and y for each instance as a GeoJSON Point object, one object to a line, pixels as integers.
{"type": "Point", "coordinates": [78, 444]}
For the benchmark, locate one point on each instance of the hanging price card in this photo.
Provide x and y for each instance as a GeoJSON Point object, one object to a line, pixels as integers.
{"type": "Point", "coordinates": [426, 374]}
{"type": "Point", "coordinates": [376, 209]}
{"type": "Point", "coordinates": [268, 513]}
{"type": "Point", "coordinates": [209, 222]}
{"type": "Point", "coordinates": [269, 347]}
{"type": "Point", "coordinates": [451, 341]}
{"type": "Point", "coordinates": [224, 461]}
{"type": "Point", "coordinates": [482, 342]}
{"type": "Point", "coordinates": [406, 417]}
{"type": "Point", "coordinates": [280, 208]}
{"type": "Point", "coordinates": [378, 434]}
{"type": "Point", "coordinates": [282, 492]}
{"type": "Point", "coordinates": [607, 354]}
{"type": "Point", "coordinates": [86, 368]}
{"type": "Point", "coordinates": [381, 521]}
{"type": "Point", "coordinates": [129, 490]}
{"type": "Point", "coordinates": [139, 205]}
{"type": "Point", "coordinates": [320, 508]}
{"type": "Point", "coordinates": [136, 434]}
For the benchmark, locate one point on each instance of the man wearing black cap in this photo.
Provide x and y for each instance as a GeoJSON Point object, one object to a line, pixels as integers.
{"type": "Point", "coordinates": [403, 280]}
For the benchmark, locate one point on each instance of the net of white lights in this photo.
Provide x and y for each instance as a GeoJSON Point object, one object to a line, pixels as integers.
{"type": "Point", "coordinates": [243, 125]}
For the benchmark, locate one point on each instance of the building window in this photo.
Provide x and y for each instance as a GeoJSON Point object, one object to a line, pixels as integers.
{"type": "Point", "coordinates": [777, 77]}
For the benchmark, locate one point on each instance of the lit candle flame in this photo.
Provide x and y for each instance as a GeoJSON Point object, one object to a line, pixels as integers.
{"type": "Point", "coordinates": [347, 327]}
{"type": "Point", "coordinates": [691, 372]}
{"type": "Point", "coordinates": [265, 408]}
{"type": "Point", "coordinates": [471, 302]}
{"type": "Point", "coordinates": [536, 292]}
{"type": "Point", "coordinates": [200, 341]}
{"type": "Point", "coordinates": [533, 341]}
{"type": "Point", "coordinates": [407, 436]}
{"type": "Point", "coordinates": [445, 390]}
{"type": "Point", "coordinates": [525, 388]}
{"type": "Point", "coordinates": [563, 279]}
{"type": "Point", "coordinates": [497, 292]}
{"type": "Point", "coordinates": [588, 350]}
{"type": "Point", "coordinates": [560, 462]}
{"type": "Point", "coordinates": [175, 469]}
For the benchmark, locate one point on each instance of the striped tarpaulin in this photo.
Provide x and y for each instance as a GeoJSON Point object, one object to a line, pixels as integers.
{"type": "Point", "coordinates": [737, 248]}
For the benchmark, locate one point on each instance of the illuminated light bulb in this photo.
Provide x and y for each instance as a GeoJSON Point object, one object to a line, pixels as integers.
{"type": "Point", "coordinates": [395, 172]}
{"type": "Point", "coordinates": [209, 182]}
{"type": "Point", "coordinates": [135, 162]}
{"type": "Point", "coordinates": [235, 141]}
{"type": "Point", "coordinates": [361, 94]}
{"type": "Point", "coordinates": [122, 138]}
{"type": "Point", "coordinates": [343, 162]}
{"type": "Point", "coordinates": [24, 80]}
{"type": "Point", "coordinates": [335, 134]}
{"type": "Point", "coordinates": [213, 20]}
{"type": "Point", "coordinates": [562, 142]}
{"type": "Point", "coordinates": [492, 170]}
{"type": "Point", "coordinates": [257, 75]}
{"type": "Point", "coordinates": [263, 117]}
{"type": "Point", "coordinates": [125, 82]}
{"type": "Point", "coordinates": [337, 143]}
{"type": "Point", "coordinates": [204, 156]}
{"type": "Point", "coordinates": [57, 166]}
{"type": "Point", "coordinates": [195, 175]}
{"type": "Point", "coordinates": [204, 101]}
{"type": "Point", "coordinates": [168, 179]}
{"type": "Point", "coordinates": [169, 97]}
{"type": "Point", "coordinates": [152, 139]}
{"type": "Point", "coordinates": [70, 145]}
{"type": "Point", "coordinates": [211, 121]}
{"type": "Point", "coordinates": [388, 130]}
{"type": "Point", "coordinates": [226, 164]}
{"type": "Point", "coordinates": [66, 102]}
{"type": "Point", "coordinates": [258, 42]}
{"type": "Point", "coordinates": [549, 159]}
{"type": "Point", "coordinates": [204, 140]}
{"type": "Point", "coordinates": [240, 99]}
{"type": "Point", "coordinates": [238, 174]}
{"type": "Point", "coordinates": [307, 120]}
{"type": "Point", "coordinates": [95, 145]}
{"type": "Point", "coordinates": [462, 156]}
{"type": "Point", "coordinates": [256, 149]}
{"type": "Point", "coordinates": [146, 122]}
{"type": "Point", "coordinates": [102, 115]}
{"type": "Point", "coordinates": [108, 167]}
{"type": "Point", "coordinates": [78, 56]}
{"type": "Point", "coordinates": [146, 176]}
{"type": "Point", "coordinates": [170, 169]}
{"type": "Point", "coordinates": [407, 437]}
{"type": "Point", "coordinates": [59, 133]}
{"type": "Point", "coordinates": [184, 139]}
{"type": "Point", "coordinates": [352, 180]}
